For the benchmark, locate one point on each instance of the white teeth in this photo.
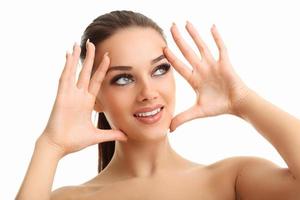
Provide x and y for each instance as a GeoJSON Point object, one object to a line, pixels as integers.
{"type": "Point", "coordinates": [146, 114]}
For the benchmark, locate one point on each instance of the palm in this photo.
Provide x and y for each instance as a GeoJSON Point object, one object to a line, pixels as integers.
{"type": "Point", "coordinates": [71, 115]}
{"type": "Point", "coordinates": [214, 92]}
{"type": "Point", "coordinates": [70, 126]}
{"type": "Point", "coordinates": [215, 83]}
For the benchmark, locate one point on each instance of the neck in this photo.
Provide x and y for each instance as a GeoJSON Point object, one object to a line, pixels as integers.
{"type": "Point", "coordinates": [144, 159]}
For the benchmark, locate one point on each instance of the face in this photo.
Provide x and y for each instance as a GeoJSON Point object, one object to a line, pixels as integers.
{"type": "Point", "coordinates": [138, 77]}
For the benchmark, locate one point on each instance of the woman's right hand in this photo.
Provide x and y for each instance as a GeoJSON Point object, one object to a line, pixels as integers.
{"type": "Point", "coordinates": [70, 127]}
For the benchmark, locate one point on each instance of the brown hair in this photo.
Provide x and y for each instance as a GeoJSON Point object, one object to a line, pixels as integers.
{"type": "Point", "coordinates": [99, 30]}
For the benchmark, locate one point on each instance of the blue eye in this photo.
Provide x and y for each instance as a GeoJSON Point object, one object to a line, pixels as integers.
{"type": "Point", "coordinates": [124, 79]}
{"type": "Point", "coordinates": [163, 68]}
{"type": "Point", "coordinates": [121, 79]}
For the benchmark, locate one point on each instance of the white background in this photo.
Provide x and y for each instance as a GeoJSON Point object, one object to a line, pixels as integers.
{"type": "Point", "coordinates": [263, 42]}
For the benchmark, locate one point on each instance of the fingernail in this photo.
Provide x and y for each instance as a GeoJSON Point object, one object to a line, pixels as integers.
{"type": "Point", "coordinates": [67, 54]}
{"type": "Point", "coordinates": [173, 24]}
{"type": "Point", "coordinates": [169, 52]}
{"type": "Point", "coordinates": [213, 26]}
{"type": "Point", "coordinates": [105, 54]}
{"type": "Point", "coordinates": [86, 44]}
{"type": "Point", "coordinates": [75, 44]}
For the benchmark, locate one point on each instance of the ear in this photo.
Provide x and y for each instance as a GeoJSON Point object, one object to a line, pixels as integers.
{"type": "Point", "coordinates": [98, 106]}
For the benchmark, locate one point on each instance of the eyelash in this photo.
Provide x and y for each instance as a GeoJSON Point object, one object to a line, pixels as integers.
{"type": "Point", "coordinates": [165, 67]}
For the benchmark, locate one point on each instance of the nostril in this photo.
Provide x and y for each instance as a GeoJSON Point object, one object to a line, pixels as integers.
{"type": "Point", "coordinates": [149, 98]}
{"type": "Point", "coordinates": [147, 94]}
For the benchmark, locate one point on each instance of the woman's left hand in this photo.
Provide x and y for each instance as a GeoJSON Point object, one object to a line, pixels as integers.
{"type": "Point", "coordinates": [217, 86]}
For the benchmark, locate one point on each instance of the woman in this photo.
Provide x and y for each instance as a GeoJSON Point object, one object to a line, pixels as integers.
{"type": "Point", "coordinates": [127, 77]}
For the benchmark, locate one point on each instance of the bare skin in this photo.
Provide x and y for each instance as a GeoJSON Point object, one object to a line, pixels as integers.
{"type": "Point", "coordinates": [212, 182]}
{"type": "Point", "coordinates": [173, 177]}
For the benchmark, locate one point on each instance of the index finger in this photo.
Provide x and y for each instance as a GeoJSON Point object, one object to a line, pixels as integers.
{"type": "Point", "coordinates": [99, 75]}
{"type": "Point", "coordinates": [219, 42]}
{"type": "Point", "coordinates": [185, 49]}
{"type": "Point", "coordinates": [179, 66]}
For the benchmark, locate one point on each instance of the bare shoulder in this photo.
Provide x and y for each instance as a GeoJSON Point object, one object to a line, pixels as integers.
{"type": "Point", "coordinates": [233, 166]}
{"type": "Point", "coordinates": [220, 177]}
{"type": "Point", "coordinates": [226, 171]}
{"type": "Point", "coordinates": [230, 165]}
{"type": "Point", "coordinates": [260, 178]}
{"type": "Point", "coordinates": [255, 178]}
{"type": "Point", "coordinates": [67, 192]}
{"type": "Point", "coordinates": [237, 162]}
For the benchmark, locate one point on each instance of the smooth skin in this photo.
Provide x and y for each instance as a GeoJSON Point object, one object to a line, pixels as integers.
{"type": "Point", "coordinates": [254, 178]}
{"type": "Point", "coordinates": [220, 91]}
{"type": "Point", "coordinates": [69, 128]}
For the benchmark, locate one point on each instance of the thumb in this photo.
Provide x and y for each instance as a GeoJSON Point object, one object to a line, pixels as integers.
{"type": "Point", "coordinates": [109, 135]}
{"type": "Point", "coordinates": [188, 115]}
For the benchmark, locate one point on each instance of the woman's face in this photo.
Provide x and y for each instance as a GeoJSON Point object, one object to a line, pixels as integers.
{"type": "Point", "coordinates": [148, 82]}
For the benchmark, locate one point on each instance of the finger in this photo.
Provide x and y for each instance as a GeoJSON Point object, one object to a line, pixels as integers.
{"type": "Point", "coordinates": [99, 75]}
{"type": "Point", "coordinates": [109, 135]}
{"type": "Point", "coordinates": [69, 64]}
{"type": "Point", "coordinates": [179, 66]}
{"type": "Point", "coordinates": [188, 115]}
{"type": "Point", "coordinates": [204, 51]}
{"type": "Point", "coordinates": [185, 49]}
{"type": "Point", "coordinates": [219, 42]}
{"type": "Point", "coordinates": [74, 65]}
{"type": "Point", "coordinates": [85, 74]}
{"type": "Point", "coordinates": [63, 81]}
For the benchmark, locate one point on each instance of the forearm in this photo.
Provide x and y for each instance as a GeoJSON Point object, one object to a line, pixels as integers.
{"type": "Point", "coordinates": [281, 129]}
{"type": "Point", "coordinates": [38, 180]}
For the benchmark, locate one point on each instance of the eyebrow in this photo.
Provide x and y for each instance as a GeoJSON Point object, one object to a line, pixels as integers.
{"type": "Point", "coordinates": [126, 68]}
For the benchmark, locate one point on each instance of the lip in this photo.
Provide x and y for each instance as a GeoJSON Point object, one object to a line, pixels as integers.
{"type": "Point", "coordinates": [147, 109]}
{"type": "Point", "coordinates": [151, 120]}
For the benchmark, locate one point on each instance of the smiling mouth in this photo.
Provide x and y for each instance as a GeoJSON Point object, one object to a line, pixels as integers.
{"type": "Point", "coordinates": [149, 114]}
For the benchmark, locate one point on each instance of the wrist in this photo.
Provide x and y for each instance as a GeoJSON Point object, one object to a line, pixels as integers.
{"type": "Point", "coordinates": [44, 142]}
{"type": "Point", "coordinates": [241, 101]}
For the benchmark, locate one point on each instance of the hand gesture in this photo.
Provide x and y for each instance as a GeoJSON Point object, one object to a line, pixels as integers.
{"type": "Point", "coordinates": [218, 88]}
{"type": "Point", "coordinates": [70, 127]}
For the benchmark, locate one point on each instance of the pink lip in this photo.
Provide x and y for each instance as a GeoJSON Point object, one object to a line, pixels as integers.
{"type": "Point", "coordinates": [151, 120]}
{"type": "Point", "coordinates": [147, 109]}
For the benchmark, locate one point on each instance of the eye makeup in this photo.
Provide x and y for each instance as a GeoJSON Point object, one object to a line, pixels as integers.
{"type": "Point", "coordinates": [119, 77]}
{"type": "Point", "coordinates": [128, 78]}
{"type": "Point", "coordinates": [163, 68]}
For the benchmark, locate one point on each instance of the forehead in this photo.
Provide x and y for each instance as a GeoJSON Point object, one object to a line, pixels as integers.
{"type": "Point", "coordinates": [132, 46]}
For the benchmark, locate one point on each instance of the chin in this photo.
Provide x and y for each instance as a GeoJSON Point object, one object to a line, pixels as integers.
{"type": "Point", "coordinates": [140, 129]}
{"type": "Point", "coordinates": [154, 132]}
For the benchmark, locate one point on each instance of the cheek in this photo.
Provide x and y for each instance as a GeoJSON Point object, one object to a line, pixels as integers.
{"type": "Point", "coordinates": [112, 96]}
{"type": "Point", "coordinates": [116, 105]}
{"type": "Point", "coordinates": [169, 86]}
{"type": "Point", "coordinates": [168, 91]}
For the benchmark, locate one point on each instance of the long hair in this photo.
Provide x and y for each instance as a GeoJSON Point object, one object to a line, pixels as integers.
{"type": "Point", "coordinates": [99, 30]}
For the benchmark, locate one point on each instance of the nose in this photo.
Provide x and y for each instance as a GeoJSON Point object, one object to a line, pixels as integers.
{"type": "Point", "coordinates": [147, 91]}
